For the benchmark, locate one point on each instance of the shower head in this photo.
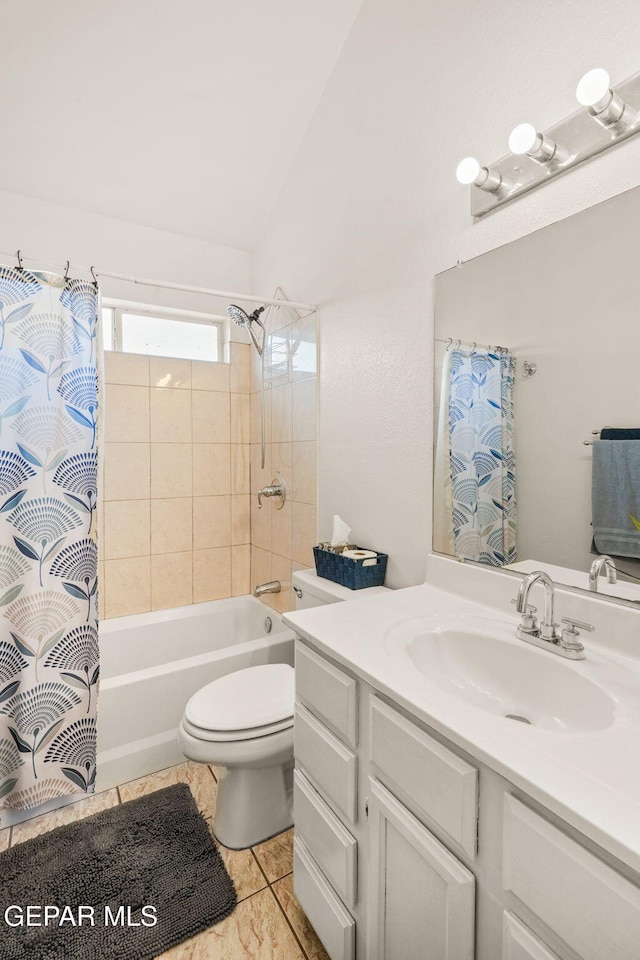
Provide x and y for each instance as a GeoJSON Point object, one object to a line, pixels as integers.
{"type": "Point", "coordinates": [243, 319]}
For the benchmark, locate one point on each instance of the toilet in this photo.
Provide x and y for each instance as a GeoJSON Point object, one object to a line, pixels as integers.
{"type": "Point", "coordinates": [243, 723]}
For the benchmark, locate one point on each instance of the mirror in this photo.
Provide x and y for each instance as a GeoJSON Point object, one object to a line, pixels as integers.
{"type": "Point", "coordinates": [514, 487]}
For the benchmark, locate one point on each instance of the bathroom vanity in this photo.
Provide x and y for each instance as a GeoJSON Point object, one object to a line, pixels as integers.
{"type": "Point", "coordinates": [431, 822]}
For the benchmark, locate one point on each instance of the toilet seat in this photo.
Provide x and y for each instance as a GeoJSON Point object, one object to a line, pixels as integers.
{"type": "Point", "coordinates": [250, 703]}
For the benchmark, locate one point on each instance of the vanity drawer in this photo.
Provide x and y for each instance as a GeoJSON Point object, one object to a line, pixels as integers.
{"type": "Point", "coordinates": [334, 925]}
{"type": "Point", "coordinates": [588, 904]}
{"type": "Point", "coordinates": [330, 843]}
{"type": "Point", "coordinates": [520, 943]}
{"type": "Point", "coordinates": [328, 692]}
{"type": "Point", "coordinates": [330, 766]}
{"type": "Point", "coordinates": [432, 780]}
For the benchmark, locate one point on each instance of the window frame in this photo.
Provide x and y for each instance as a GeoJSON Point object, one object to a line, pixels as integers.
{"type": "Point", "coordinates": [121, 307]}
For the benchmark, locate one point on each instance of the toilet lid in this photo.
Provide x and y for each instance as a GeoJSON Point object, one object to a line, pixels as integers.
{"type": "Point", "coordinates": [254, 697]}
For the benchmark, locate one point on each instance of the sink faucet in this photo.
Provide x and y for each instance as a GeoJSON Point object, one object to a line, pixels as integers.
{"type": "Point", "coordinates": [596, 569]}
{"type": "Point", "coordinates": [548, 635]}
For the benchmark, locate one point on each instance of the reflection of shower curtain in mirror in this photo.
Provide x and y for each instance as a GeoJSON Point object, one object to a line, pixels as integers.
{"type": "Point", "coordinates": [481, 456]}
{"type": "Point", "coordinates": [48, 555]}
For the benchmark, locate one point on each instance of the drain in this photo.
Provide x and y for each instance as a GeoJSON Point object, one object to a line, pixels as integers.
{"type": "Point", "coordinates": [268, 624]}
{"type": "Point", "coordinates": [515, 716]}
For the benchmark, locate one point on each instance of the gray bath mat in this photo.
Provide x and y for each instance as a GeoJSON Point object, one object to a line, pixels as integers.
{"type": "Point", "coordinates": [145, 859]}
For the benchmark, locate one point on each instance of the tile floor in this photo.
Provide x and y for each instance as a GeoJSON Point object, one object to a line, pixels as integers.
{"type": "Point", "coordinates": [268, 922]}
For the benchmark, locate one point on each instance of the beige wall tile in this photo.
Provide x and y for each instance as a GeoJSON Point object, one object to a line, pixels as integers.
{"type": "Point", "coordinates": [281, 417]}
{"type": "Point", "coordinates": [127, 471]}
{"type": "Point", "coordinates": [281, 570]}
{"type": "Point", "coordinates": [305, 415]}
{"type": "Point", "coordinates": [240, 459]}
{"type": "Point", "coordinates": [171, 580]}
{"type": "Point", "coordinates": [260, 476]}
{"type": "Point", "coordinates": [240, 519]}
{"type": "Point", "coordinates": [256, 417]}
{"type": "Point", "coordinates": [211, 574]}
{"type": "Point", "coordinates": [170, 372]}
{"type": "Point", "coordinates": [211, 417]}
{"type": "Point", "coordinates": [211, 522]}
{"type": "Point", "coordinates": [260, 566]}
{"type": "Point", "coordinates": [282, 461]}
{"type": "Point", "coordinates": [305, 463]}
{"type": "Point", "coordinates": [171, 470]}
{"type": "Point", "coordinates": [304, 533]}
{"type": "Point", "coordinates": [127, 529]}
{"type": "Point", "coordinates": [127, 416]}
{"type": "Point", "coordinates": [171, 525]}
{"type": "Point", "coordinates": [101, 589]}
{"type": "Point", "coordinates": [240, 418]}
{"type": "Point", "coordinates": [261, 524]}
{"type": "Point", "coordinates": [240, 381]}
{"type": "Point", "coordinates": [127, 586]}
{"type": "Point", "coordinates": [211, 469]}
{"type": "Point", "coordinates": [170, 415]}
{"type": "Point", "coordinates": [209, 376]}
{"type": "Point", "coordinates": [282, 530]}
{"type": "Point", "coordinates": [240, 570]}
{"type": "Point", "coordinates": [130, 368]}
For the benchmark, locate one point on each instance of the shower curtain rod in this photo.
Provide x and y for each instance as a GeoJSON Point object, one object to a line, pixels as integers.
{"type": "Point", "coordinates": [146, 282]}
{"type": "Point", "coordinates": [450, 341]}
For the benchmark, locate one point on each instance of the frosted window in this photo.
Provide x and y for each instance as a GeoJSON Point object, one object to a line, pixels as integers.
{"type": "Point", "coordinates": [161, 337]}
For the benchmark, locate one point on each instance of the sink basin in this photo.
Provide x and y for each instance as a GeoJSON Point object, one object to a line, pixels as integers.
{"type": "Point", "coordinates": [478, 662]}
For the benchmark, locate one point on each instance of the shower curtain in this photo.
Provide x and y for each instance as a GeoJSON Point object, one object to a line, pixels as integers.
{"type": "Point", "coordinates": [48, 556]}
{"type": "Point", "coordinates": [481, 456]}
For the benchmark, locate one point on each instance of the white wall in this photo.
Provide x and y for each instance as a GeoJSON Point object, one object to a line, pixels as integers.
{"type": "Point", "coordinates": [49, 232]}
{"type": "Point", "coordinates": [371, 211]}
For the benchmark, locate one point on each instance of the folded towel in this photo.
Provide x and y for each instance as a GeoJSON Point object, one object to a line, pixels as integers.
{"type": "Point", "coordinates": [619, 433]}
{"type": "Point", "coordinates": [615, 497]}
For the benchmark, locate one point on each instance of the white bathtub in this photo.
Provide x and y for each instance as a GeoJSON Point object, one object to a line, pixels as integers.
{"type": "Point", "coordinates": [151, 663]}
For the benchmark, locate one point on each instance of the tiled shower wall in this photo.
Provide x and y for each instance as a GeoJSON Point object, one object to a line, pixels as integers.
{"type": "Point", "coordinates": [175, 508]}
{"type": "Point", "coordinates": [282, 540]}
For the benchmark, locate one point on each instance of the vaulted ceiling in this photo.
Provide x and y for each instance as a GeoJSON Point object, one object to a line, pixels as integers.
{"type": "Point", "coordinates": [183, 115]}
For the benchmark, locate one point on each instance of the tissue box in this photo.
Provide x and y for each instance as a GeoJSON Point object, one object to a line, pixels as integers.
{"type": "Point", "coordinates": [348, 572]}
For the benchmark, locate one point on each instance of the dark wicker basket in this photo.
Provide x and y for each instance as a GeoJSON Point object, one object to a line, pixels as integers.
{"type": "Point", "coordinates": [349, 572]}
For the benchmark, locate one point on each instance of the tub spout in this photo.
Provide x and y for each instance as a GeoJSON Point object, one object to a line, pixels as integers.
{"type": "Point", "coordinates": [273, 586]}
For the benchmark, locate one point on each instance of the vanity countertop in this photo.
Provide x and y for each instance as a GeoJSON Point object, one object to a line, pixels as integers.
{"type": "Point", "coordinates": [590, 779]}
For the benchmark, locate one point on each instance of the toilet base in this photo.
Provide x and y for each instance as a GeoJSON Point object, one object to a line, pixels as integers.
{"type": "Point", "coordinates": [253, 804]}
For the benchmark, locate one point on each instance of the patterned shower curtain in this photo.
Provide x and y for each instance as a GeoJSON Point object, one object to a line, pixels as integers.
{"type": "Point", "coordinates": [482, 456]}
{"type": "Point", "coordinates": [48, 555]}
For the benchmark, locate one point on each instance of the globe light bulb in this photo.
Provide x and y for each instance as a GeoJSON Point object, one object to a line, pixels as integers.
{"type": "Point", "coordinates": [524, 139]}
{"type": "Point", "coordinates": [593, 87]}
{"type": "Point", "coordinates": [468, 170]}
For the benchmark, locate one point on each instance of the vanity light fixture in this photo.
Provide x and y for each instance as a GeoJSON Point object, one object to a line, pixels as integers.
{"type": "Point", "coordinates": [469, 171]}
{"type": "Point", "coordinates": [538, 156]}
{"type": "Point", "coordinates": [526, 139]}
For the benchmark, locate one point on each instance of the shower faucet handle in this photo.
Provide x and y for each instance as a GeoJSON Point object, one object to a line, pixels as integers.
{"type": "Point", "coordinates": [277, 488]}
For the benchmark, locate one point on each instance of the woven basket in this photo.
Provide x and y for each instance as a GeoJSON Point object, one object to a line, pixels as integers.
{"type": "Point", "coordinates": [349, 572]}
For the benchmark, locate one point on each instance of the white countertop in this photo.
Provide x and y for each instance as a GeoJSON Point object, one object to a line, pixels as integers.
{"type": "Point", "coordinates": [590, 779]}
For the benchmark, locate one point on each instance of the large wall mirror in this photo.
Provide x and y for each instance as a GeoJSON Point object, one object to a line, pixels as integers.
{"type": "Point", "coordinates": [537, 351]}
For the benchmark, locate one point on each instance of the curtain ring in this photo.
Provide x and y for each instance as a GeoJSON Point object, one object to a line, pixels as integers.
{"type": "Point", "coordinates": [473, 347]}
{"type": "Point", "coordinates": [66, 271]}
{"type": "Point", "coordinates": [459, 342]}
{"type": "Point", "coordinates": [19, 267]}
{"type": "Point", "coordinates": [449, 342]}
{"type": "Point", "coordinates": [95, 279]}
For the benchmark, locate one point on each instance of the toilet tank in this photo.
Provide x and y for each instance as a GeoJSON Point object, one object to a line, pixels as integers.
{"type": "Point", "coordinates": [312, 591]}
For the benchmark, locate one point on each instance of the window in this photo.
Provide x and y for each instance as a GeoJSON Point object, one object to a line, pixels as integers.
{"type": "Point", "coordinates": [161, 334]}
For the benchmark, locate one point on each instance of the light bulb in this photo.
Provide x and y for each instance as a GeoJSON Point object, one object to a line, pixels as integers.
{"type": "Point", "coordinates": [468, 170]}
{"type": "Point", "coordinates": [524, 139]}
{"type": "Point", "coordinates": [593, 88]}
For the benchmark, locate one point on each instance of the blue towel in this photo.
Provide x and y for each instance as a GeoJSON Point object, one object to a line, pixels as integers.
{"type": "Point", "coordinates": [615, 497]}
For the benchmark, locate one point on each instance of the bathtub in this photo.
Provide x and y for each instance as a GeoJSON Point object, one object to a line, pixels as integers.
{"type": "Point", "coordinates": [151, 663]}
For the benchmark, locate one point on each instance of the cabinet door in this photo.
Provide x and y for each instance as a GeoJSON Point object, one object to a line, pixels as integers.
{"type": "Point", "coordinates": [422, 899]}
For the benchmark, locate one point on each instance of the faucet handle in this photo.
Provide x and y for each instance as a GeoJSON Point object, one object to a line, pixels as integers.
{"type": "Point", "coordinates": [573, 623]}
{"type": "Point", "coordinates": [529, 623]}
